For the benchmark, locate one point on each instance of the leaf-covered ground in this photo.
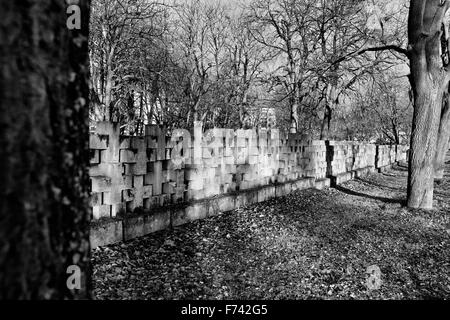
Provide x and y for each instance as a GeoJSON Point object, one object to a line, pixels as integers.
{"type": "Point", "coordinates": [309, 245]}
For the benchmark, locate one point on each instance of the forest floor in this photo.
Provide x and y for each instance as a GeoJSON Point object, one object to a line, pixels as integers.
{"type": "Point", "coordinates": [311, 244]}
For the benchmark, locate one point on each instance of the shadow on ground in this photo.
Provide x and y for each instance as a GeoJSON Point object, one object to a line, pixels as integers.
{"type": "Point", "coordinates": [310, 244]}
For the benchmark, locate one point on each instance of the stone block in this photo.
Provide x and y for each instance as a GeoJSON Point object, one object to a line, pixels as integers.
{"type": "Point", "coordinates": [94, 157]}
{"type": "Point", "coordinates": [98, 142]}
{"type": "Point", "coordinates": [101, 211]}
{"type": "Point", "coordinates": [156, 222]}
{"type": "Point", "coordinates": [100, 183]}
{"type": "Point", "coordinates": [133, 227]}
{"type": "Point", "coordinates": [106, 232]}
{"type": "Point", "coordinates": [112, 197]}
{"type": "Point", "coordinates": [246, 198]}
{"type": "Point", "coordinates": [118, 208]}
{"type": "Point", "coordinates": [193, 212]}
{"type": "Point", "coordinates": [322, 183]}
{"type": "Point", "coordinates": [195, 194]}
{"type": "Point", "coordinates": [341, 178]}
{"type": "Point", "coordinates": [125, 143]}
{"type": "Point", "coordinates": [127, 156]}
{"type": "Point", "coordinates": [262, 194]}
{"type": "Point", "coordinates": [95, 199]}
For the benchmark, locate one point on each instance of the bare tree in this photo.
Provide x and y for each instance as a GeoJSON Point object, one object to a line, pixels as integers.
{"type": "Point", "coordinates": [196, 57]}
{"type": "Point", "coordinates": [117, 26]}
{"type": "Point", "coordinates": [285, 26]}
{"type": "Point", "coordinates": [429, 81]}
{"type": "Point", "coordinates": [246, 60]}
{"type": "Point", "coordinates": [345, 27]}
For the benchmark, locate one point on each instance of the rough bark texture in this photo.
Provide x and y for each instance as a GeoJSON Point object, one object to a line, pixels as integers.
{"type": "Point", "coordinates": [331, 102]}
{"type": "Point", "coordinates": [444, 126]}
{"type": "Point", "coordinates": [442, 145]}
{"type": "Point", "coordinates": [108, 90]}
{"type": "Point", "coordinates": [44, 211]}
{"type": "Point", "coordinates": [294, 117]}
{"type": "Point", "coordinates": [428, 79]}
{"type": "Point", "coordinates": [326, 123]}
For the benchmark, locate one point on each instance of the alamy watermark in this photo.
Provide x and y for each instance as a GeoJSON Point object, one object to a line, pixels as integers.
{"type": "Point", "coordinates": [373, 280]}
{"type": "Point", "coordinates": [73, 281]}
{"type": "Point", "coordinates": [74, 15]}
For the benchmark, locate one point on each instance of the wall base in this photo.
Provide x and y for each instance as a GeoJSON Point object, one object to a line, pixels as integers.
{"type": "Point", "coordinates": [111, 231]}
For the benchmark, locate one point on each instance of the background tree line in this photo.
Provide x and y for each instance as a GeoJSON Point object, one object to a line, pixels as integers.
{"type": "Point", "coordinates": [241, 64]}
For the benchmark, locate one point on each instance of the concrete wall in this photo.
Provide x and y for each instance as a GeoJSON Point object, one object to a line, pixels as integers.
{"type": "Point", "coordinates": [145, 184]}
{"type": "Point", "coordinates": [348, 160]}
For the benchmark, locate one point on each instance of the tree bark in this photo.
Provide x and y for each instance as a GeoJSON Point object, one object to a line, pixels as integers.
{"type": "Point", "coordinates": [294, 117]}
{"type": "Point", "coordinates": [428, 79]}
{"type": "Point", "coordinates": [109, 101]}
{"type": "Point", "coordinates": [442, 141]}
{"type": "Point", "coordinates": [326, 123]}
{"type": "Point", "coordinates": [423, 146]}
{"type": "Point", "coordinates": [331, 98]}
{"type": "Point", "coordinates": [295, 102]}
{"type": "Point", "coordinates": [44, 154]}
{"type": "Point", "coordinates": [140, 123]}
{"type": "Point", "coordinates": [243, 109]}
{"type": "Point", "coordinates": [108, 92]}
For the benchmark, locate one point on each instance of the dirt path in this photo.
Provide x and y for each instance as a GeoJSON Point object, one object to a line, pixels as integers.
{"type": "Point", "coordinates": [309, 245]}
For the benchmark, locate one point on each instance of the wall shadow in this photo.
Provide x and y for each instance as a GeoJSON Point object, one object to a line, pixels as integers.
{"type": "Point", "coordinates": [382, 186]}
{"type": "Point", "coordinates": [360, 194]}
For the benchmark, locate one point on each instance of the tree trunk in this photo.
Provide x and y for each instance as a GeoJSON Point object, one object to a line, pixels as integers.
{"type": "Point", "coordinates": [44, 154]}
{"type": "Point", "coordinates": [395, 132]}
{"type": "Point", "coordinates": [326, 122]}
{"type": "Point", "coordinates": [423, 146]}
{"type": "Point", "coordinates": [428, 79]}
{"type": "Point", "coordinates": [442, 142]}
{"type": "Point", "coordinates": [331, 100]}
{"type": "Point", "coordinates": [102, 81]}
{"type": "Point", "coordinates": [140, 123]}
{"type": "Point", "coordinates": [194, 108]}
{"type": "Point", "coordinates": [109, 84]}
{"type": "Point", "coordinates": [294, 110]}
{"type": "Point", "coordinates": [294, 117]}
{"type": "Point", "coordinates": [243, 109]}
{"type": "Point", "coordinates": [108, 94]}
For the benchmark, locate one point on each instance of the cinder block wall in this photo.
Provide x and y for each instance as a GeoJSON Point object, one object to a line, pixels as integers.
{"type": "Point", "coordinates": [144, 184]}
{"type": "Point", "coordinates": [348, 156]}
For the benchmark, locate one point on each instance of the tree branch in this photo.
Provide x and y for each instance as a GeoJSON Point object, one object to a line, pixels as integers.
{"type": "Point", "coordinates": [372, 49]}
